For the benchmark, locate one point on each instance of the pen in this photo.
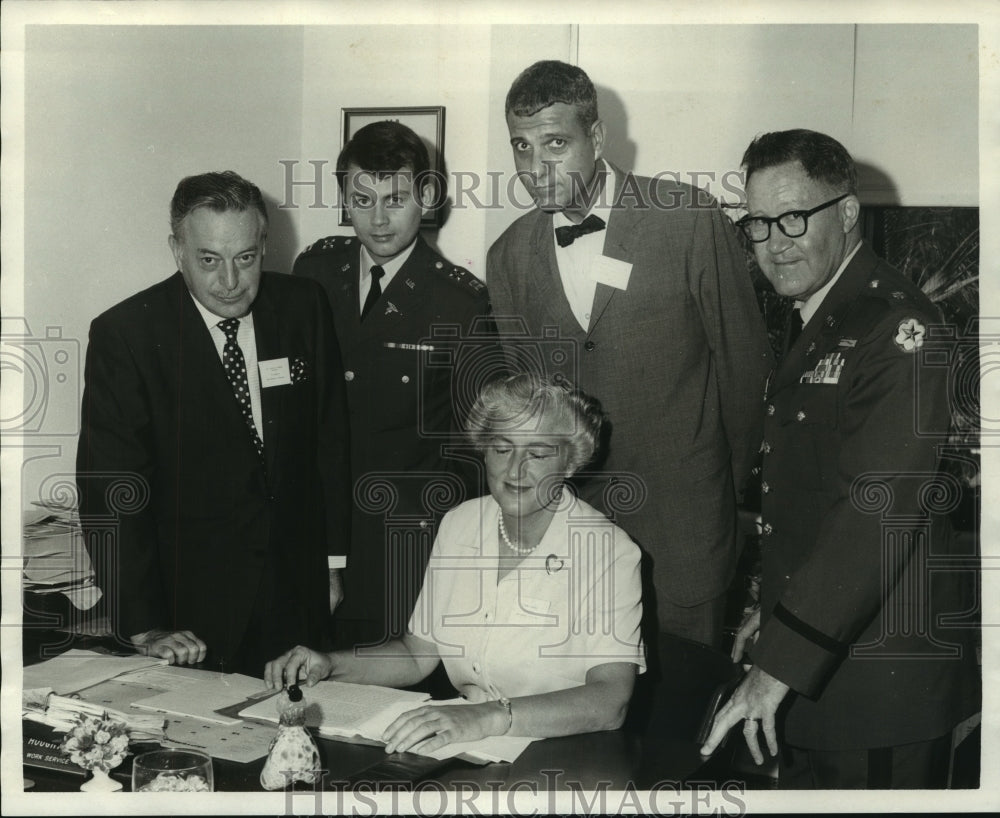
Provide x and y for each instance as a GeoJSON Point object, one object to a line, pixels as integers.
{"type": "Point", "coordinates": [417, 347]}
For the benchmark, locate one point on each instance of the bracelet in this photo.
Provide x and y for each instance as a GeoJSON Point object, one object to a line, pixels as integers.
{"type": "Point", "coordinates": [504, 702]}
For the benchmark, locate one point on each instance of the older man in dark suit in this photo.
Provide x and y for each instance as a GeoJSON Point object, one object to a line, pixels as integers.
{"type": "Point", "coordinates": [209, 395]}
{"type": "Point", "coordinates": [408, 321]}
{"type": "Point", "coordinates": [642, 293]}
{"type": "Point", "coordinates": [856, 669]}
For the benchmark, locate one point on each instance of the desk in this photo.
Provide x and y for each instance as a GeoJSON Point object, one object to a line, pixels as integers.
{"type": "Point", "coordinates": [609, 760]}
{"type": "Point", "coordinates": [661, 750]}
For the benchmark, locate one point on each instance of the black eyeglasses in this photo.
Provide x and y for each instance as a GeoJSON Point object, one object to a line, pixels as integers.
{"type": "Point", "coordinates": [793, 224]}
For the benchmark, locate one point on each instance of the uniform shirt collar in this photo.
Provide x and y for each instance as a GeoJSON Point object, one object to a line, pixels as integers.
{"type": "Point", "coordinates": [809, 307]}
{"type": "Point", "coordinates": [390, 267]}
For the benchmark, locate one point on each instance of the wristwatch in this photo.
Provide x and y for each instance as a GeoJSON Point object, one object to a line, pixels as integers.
{"type": "Point", "coordinates": [504, 702]}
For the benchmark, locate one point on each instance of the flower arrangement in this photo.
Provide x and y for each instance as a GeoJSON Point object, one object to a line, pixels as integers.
{"type": "Point", "coordinates": [96, 742]}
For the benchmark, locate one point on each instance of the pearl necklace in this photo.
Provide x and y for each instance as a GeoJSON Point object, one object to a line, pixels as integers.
{"type": "Point", "coordinates": [516, 547]}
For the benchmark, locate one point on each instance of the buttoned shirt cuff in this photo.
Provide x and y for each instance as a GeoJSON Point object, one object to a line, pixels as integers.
{"type": "Point", "coordinates": [335, 563]}
{"type": "Point", "coordinates": [795, 653]}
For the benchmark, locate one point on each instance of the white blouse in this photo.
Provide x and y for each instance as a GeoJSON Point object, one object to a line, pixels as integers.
{"type": "Point", "coordinates": [572, 604]}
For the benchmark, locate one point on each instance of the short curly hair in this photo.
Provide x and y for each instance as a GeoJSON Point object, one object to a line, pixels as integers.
{"type": "Point", "coordinates": [521, 401]}
{"type": "Point", "coordinates": [550, 81]}
{"type": "Point", "coordinates": [219, 191]}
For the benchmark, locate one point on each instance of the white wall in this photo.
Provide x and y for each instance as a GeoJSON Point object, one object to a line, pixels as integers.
{"type": "Point", "coordinates": [902, 98]}
{"type": "Point", "coordinates": [688, 99]}
{"type": "Point", "coordinates": [396, 66]}
{"type": "Point", "coordinates": [916, 113]}
{"type": "Point", "coordinates": [114, 118]}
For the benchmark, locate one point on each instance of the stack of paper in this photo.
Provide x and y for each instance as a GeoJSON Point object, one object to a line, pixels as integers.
{"type": "Point", "coordinates": [341, 710]}
{"type": "Point", "coordinates": [63, 713]}
{"type": "Point", "coordinates": [55, 560]}
{"type": "Point", "coordinates": [243, 742]}
{"type": "Point", "coordinates": [196, 693]}
{"type": "Point", "coordinates": [77, 669]}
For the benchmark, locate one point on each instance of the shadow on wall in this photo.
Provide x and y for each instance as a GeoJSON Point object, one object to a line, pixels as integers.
{"type": "Point", "coordinates": [618, 148]}
{"type": "Point", "coordinates": [283, 243]}
{"type": "Point", "coordinates": [875, 186]}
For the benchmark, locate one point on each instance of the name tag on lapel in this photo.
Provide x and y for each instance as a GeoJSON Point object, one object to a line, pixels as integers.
{"type": "Point", "coordinates": [611, 271]}
{"type": "Point", "coordinates": [274, 372]}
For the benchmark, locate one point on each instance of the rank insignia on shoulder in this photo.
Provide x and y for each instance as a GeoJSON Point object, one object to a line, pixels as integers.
{"type": "Point", "coordinates": [827, 370]}
{"type": "Point", "coordinates": [910, 335]}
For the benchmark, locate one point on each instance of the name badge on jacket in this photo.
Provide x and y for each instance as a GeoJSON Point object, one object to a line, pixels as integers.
{"type": "Point", "coordinates": [274, 372]}
{"type": "Point", "coordinates": [610, 271]}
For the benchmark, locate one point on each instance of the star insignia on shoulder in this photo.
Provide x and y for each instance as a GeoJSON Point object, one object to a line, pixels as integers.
{"type": "Point", "coordinates": [910, 335]}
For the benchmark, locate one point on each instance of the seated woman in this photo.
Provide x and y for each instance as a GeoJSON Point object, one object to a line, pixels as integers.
{"type": "Point", "coordinates": [531, 597]}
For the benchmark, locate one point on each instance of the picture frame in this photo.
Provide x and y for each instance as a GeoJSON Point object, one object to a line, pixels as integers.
{"type": "Point", "coordinates": [428, 123]}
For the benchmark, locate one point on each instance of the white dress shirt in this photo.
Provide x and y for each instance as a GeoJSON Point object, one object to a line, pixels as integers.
{"type": "Point", "coordinates": [246, 339]}
{"type": "Point", "coordinates": [390, 268]}
{"type": "Point", "coordinates": [575, 260]}
{"type": "Point", "coordinates": [808, 308]}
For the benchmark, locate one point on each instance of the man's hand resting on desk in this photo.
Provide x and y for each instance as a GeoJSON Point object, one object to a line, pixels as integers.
{"type": "Point", "coordinates": [177, 647]}
{"type": "Point", "coordinates": [298, 665]}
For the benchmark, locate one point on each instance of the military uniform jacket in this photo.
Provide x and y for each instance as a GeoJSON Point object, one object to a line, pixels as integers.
{"type": "Point", "coordinates": [678, 359]}
{"type": "Point", "coordinates": [405, 404]}
{"type": "Point", "coordinates": [854, 415]}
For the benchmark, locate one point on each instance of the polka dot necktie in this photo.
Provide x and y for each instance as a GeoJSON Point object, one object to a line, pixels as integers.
{"type": "Point", "coordinates": [375, 292]}
{"type": "Point", "coordinates": [236, 370]}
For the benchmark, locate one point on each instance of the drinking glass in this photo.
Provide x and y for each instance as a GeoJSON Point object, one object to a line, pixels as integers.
{"type": "Point", "coordinates": [172, 771]}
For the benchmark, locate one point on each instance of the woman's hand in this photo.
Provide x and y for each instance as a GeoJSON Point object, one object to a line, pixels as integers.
{"type": "Point", "coordinates": [297, 665]}
{"type": "Point", "coordinates": [430, 727]}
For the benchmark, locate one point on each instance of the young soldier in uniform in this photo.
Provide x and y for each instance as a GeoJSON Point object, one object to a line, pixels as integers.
{"type": "Point", "coordinates": [394, 300]}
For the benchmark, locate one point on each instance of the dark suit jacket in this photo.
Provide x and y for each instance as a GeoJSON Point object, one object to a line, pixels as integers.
{"type": "Point", "coordinates": [851, 507]}
{"type": "Point", "coordinates": [677, 359]}
{"type": "Point", "coordinates": [209, 530]}
{"type": "Point", "coordinates": [406, 405]}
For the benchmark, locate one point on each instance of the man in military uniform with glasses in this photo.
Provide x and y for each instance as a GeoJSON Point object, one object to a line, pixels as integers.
{"type": "Point", "coordinates": [848, 640]}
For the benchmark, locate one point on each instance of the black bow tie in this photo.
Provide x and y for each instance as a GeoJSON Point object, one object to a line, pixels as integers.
{"type": "Point", "coordinates": [571, 232]}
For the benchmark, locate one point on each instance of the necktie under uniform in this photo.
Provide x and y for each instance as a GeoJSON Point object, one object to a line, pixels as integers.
{"type": "Point", "coordinates": [235, 367]}
{"type": "Point", "coordinates": [375, 292]}
{"type": "Point", "coordinates": [569, 233]}
{"type": "Point", "coordinates": [794, 328]}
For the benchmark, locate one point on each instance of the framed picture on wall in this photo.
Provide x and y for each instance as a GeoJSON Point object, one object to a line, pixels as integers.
{"type": "Point", "coordinates": [425, 122]}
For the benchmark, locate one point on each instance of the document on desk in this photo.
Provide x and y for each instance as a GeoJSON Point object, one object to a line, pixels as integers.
{"type": "Point", "coordinates": [77, 669]}
{"type": "Point", "coordinates": [482, 751]}
{"type": "Point", "coordinates": [243, 742]}
{"type": "Point", "coordinates": [196, 693]}
{"type": "Point", "coordinates": [340, 710]}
